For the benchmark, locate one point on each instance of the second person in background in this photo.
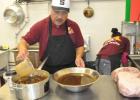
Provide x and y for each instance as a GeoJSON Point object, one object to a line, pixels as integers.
{"type": "Point", "coordinates": [113, 53]}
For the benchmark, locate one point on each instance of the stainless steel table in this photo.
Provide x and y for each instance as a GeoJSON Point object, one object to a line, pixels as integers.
{"type": "Point", "coordinates": [104, 89]}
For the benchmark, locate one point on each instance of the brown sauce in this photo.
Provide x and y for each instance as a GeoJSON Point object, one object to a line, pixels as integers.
{"type": "Point", "coordinates": [76, 79]}
{"type": "Point", "coordinates": [30, 79]}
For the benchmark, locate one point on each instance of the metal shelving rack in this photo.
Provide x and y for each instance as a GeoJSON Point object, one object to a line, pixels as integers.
{"type": "Point", "coordinates": [132, 31]}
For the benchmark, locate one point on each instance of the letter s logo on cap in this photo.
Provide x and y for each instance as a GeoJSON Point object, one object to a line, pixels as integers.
{"type": "Point", "coordinates": [62, 2]}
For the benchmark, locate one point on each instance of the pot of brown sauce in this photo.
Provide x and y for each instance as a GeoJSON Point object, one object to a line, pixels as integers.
{"type": "Point", "coordinates": [31, 87]}
{"type": "Point", "coordinates": [75, 79]}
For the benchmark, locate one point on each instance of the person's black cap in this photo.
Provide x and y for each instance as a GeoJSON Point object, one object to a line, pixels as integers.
{"type": "Point", "coordinates": [115, 31]}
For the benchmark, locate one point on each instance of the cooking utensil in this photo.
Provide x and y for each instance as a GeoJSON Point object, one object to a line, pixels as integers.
{"type": "Point", "coordinates": [25, 68]}
{"type": "Point", "coordinates": [77, 71]}
{"type": "Point", "coordinates": [88, 12]}
{"type": "Point", "coordinates": [42, 64]}
{"type": "Point", "coordinates": [14, 14]}
{"type": "Point", "coordinates": [31, 91]}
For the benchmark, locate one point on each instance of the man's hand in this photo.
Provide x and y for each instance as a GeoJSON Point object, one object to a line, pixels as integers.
{"type": "Point", "coordinates": [23, 50]}
{"type": "Point", "coordinates": [79, 54]}
{"type": "Point", "coordinates": [79, 62]}
{"type": "Point", "coordinates": [22, 54]}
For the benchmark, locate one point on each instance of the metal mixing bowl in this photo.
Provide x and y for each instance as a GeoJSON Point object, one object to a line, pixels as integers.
{"type": "Point", "coordinates": [75, 70]}
{"type": "Point", "coordinates": [14, 14]}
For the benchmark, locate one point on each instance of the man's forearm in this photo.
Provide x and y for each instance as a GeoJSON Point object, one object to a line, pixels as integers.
{"type": "Point", "coordinates": [80, 51]}
{"type": "Point", "coordinates": [23, 45]}
{"type": "Point", "coordinates": [79, 55]}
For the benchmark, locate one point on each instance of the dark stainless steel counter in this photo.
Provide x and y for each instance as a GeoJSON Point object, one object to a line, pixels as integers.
{"type": "Point", "coordinates": [104, 89]}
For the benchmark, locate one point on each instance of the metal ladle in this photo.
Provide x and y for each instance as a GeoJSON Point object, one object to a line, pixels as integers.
{"type": "Point", "coordinates": [42, 64]}
{"type": "Point", "coordinates": [88, 12]}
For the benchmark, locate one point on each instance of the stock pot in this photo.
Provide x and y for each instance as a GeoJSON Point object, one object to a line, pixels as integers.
{"type": "Point", "coordinates": [33, 90]}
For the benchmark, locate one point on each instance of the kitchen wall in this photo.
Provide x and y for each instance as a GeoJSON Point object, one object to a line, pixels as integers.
{"type": "Point", "coordinates": [108, 14]}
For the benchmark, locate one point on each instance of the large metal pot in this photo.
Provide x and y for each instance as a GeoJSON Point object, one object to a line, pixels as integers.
{"type": "Point", "coordinates": [77, 71]}
{"type": "Point", "coordinates": [34, 90]}
{"type": "Point", "coordinates": [14, 14]}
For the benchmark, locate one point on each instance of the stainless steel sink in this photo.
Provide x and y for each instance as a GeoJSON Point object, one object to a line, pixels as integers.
{"type": "Point", "coordinates": [33, 55]}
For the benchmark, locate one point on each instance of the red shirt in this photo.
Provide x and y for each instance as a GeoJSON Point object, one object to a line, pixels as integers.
{"type": "Point", "coordinates": [115, 46]}
{"type": "Point", "coordinates": [39, 33]}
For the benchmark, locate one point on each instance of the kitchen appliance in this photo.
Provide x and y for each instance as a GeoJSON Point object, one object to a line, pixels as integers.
{"type": "Point", "coordinates": [14, 14]}
{"type": "Point", "coordinates": [79, 73]}
{"type": "Point", "coordinates": [31, 91]}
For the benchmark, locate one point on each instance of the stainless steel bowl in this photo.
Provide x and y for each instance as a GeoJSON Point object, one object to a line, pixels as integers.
{"type": "Point", "coordinates": [75, 70]}
{"type": "Point", "coordinates": [14, 14]}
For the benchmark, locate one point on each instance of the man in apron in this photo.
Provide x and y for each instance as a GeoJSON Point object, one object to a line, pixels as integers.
{"type": "Point", "coordinates": [113, 53]}
{"type": "Point", "coordinates": [60, 39]}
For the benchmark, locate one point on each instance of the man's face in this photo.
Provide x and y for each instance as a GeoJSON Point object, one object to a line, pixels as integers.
{"type": "Point", "coordinates": [59, 16]}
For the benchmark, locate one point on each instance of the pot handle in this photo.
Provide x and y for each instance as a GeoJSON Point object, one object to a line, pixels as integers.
{"type": "Point", "coordinates": [16, 87]}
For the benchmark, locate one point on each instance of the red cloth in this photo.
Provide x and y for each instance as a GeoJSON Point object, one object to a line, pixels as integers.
{"type": "Point", "coordinates": [124, 59]}
{"type": "Point", "coordinates": [135, 10]}
{"type": "Point", "coordinates": [39, 33]}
